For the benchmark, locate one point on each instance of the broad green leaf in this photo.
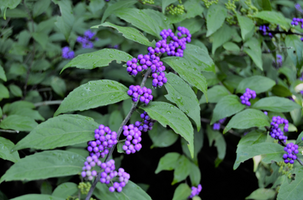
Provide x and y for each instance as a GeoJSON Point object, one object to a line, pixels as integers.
{"type": "Point", "coordinates": [18, 123]}
{"type": "Point", "coordinates": [190, 74]}
{"type": "Point", "coordinates": [63, 130]}
{"type": "Point", "coordinates": [180, 93]}
{"type": "Point", "coordinates": [165, 3]}
{"type": "Point", "coordinates": [193, 25]}
{"type": "Point", "coordinates": [17, 69]}
{"type": "Point", "coordinates": [217, 137]}
{"type": "Point", "coordinates": [288, 72]}
{"type": "Point", "coordinates": [58, 85]}
{"type": "Point", "coordinates": [1, 113]}
{"type": "Point", "coordinates": [246, 25]}
{"type": "Point", "coordinates": [96, 6]}
{"type": "Point", "coordinates": [66, 21]}
{"type": "Point", "coordinates": [65, 189]}
{"type": "Point", "coordinates": [41, 38]}
{"type": "Point", "coordinates": [257, 83]}
{"type": "Point", "coordinates": [130, 191]}
{"type": "Point", "coordinates": [10, 3]}
{"type": "Point", "coordinates": [294, 50]}
{"type": "Point", "coordinates": [40, 7]}
{"type": "Point", "coordinates": [269, 151]}
{"type": "Point", "coordinates": [5, 153]}
{"type": "Point", "coordinates": [215, 94]}
{"type": "Point", "coordinates": [167, 162]}
{"type": "Point", "coordinates": [33, 114]}
{"type": "Point", "coordinates": [281, 90]}
{"type": "Point", "coordinates": [262, 194]}
{"type": "Point", "coordinates": [100, 58]}
{"type": "Point", "coordinates": [254, 51]}
{"type": "Point", "coordinates": [226, 107]}
{"type": "Point", "coordinates": [182, 169]}
{"type": "Point", "coordinates": [3, 196]}
{"type": "Point", "coordinates": [273, 17]}
{"type": "Point", "coordinates": [247, 119]}
{"type": "Point", "coordinates": [17, 105]}
{"type": "Point", "coordinates": [114, 7]}
{"type": "Point", "coordinates": [198, 144]}
{"type": "Point", "coordinates": [129, 33]}
{"type": "Point", "coordinates": [2, 74]}
{"type": "Point", "coordinates": [15, 90]}
{"type": "Point", "coordinates": [276, 104]}
{"type": "Point", "coordinates": [224, 34]}
{"type": "Point", "coordinates": [39, 65]}
{"type": "Point", "coordinates": [45, 165]}
{"type": "Point", "coordinates": [215, 18]}
{"type": "Point", "coordinates": [264, 4]}
{"type": "Point", "coordinates": [199, 57]}
{"type": "Point", "coordinates": [115, 120]}
{"type": "Point", "coordinates": [167, 114]}
{"type": "Point", "coordinates": [182, 192]}
{"type": "Point", "coordinates": [230, 46]}
{"type": "Point", "coordinates": [37, 197]}
{"type": "Point", "coordinates": [292, 190]}
{"type": "Point", "coordinates": [162, 137]}
{"type": "Point", "coordinates": [150, 21]}
{"type": "Point", "coordinates": [3, 92]}
{"type": "Point", "coordinates": [195, 174]}
{"type": "Point", "coordinates": [46, 188]}
{"type": "Point", "coordinates": [92, 95]}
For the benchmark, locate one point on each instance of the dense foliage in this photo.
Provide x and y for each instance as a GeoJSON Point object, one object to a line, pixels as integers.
{"type": "Point", "coordinates": [97, 98]}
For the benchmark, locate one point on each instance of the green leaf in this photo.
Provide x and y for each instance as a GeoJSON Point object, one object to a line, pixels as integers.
{"type": "Point", "coordinates": [198, 144]}
{"type": "Point", "coordinates": [129, 33]}
{"type": "Point", "coordinates": [299, 139]}
{"type": "Point", "coordinates": [162, 137]}
{"type": "Point", "coordinates": [264, 4]}
{"type": "Point", "coordinates": [215, 94]}
{"type": "Point", "coordinates": [262, 194]}
{"type": "Point", "coordinates": [41, 38]}
{"type": "Point", "coordinates": [230, 46]}
{"type": "Point", "coordinates": [273, 17]}
{"type": "Point", "coordinates": [15, 90]}
{"type": "Point", "coordinates": [246, 25]}
{"type": "Point", "coordinates": [3, 92]}
{"type": "Point", "coordinates": [226, 107]}
{"type": "Point", "coordinates": [193, 8]}
{"type": "Point", "coordinates": [46, 188]}
{"type": "Point", "coordinates": [182, 169]}
{"type": "Point", "coordinates": [224, 34]}
{"type": "Point", "coordinates": [37, 197]}
{"type": "Point", "coordinates": [18, 123]}
{"type": "Point", "coordinates": [167, 114]}
{"type": "Point", "coordinates": [60, 131]}
{"type": "Point", "coordinates": [67, 19]}
{"type": "Point", "coordinates": [65, 189]}
{"type": "Point", "coordinates": [92, 95]}
{"type": "Point", "coordinates": [165, 3]}
{"type": "Point", "coordinates": [195, 174]}
{"type": "Point", "coordinates": [114, 7]}
{"type": "Point", "coordinates": [33, 114]}
{"type": "Point", "coordinates": [10, 3]}
{"type": "Point", "coordinates": [217, 137]}
{"type": "Point", "coordinates": [45, 165]}
{"type": "Point", "coordinates": [115, 120]}
{"type": "Point", "coordinates": [215, 18]}
{"type": "Point", "coordinates": [150, 21]}
{"type": "Point", "coordinates": [182, 192]}
{"type": "Point", "coordinates": [2, 74]}
{"type": "Point", "coordinates": [5, 153]}
{"type": "Point", "coordinates": [193, 25]}
{"type": "Point", "coordinates": [187, 72]}
{"type": "Point", "coordinates": [254, 51]}
{"type": "Point", "coordinates": [130, 191]}
{"type": "Point", "coordinates": [58, 85]}
{"type": "Point", "coordinates": [257, 83]}
{"type": "Point", "coordinates": [276, 104]}
{"type": "Point", "coordinates": [180, 93]}
{"type": "Point", "coordinates": [247, 119]}
{"type": "Point", "coordinates": [100, 58]}
{"type": "Point", "coordinates": [40, 7]}
{"type": "Point", "coordinates": [167, 162]}
{"type": "Point", "coordinates": [199, 57]}
{"type": "Point", "coordinates": [294, 48]}
{"type": "Point", "coordinates": [292, 190]}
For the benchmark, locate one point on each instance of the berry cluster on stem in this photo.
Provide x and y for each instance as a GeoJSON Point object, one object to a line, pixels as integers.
{"type": "Point", "coordinates": [275, 132]}
{"type": "Point", "coordinates": [195, 191]}
{"type": "Point", "coordinates": [143, 94]}
{"type": "Point", "coordinates": [291, 151]}
{"type": "Point", "coordinates": [249, 94]}
{"type": "Point", "coordinates": [133, 139]}
{"type": "Point", "coordinates": [147, 123]}
{"type": "Point", "coordinates": [67, 53]}
{"type": "Point", "coordinates": [265, 29]}
{"type": "Point", "coordinates": [216, 126]}
{"type": "Point", "coordinates": [86, 40]}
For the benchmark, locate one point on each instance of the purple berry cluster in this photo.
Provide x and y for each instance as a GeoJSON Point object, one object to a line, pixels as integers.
{"type": "Point", "coordinates": [275, 132]}
{"type": "Point", "coordinates": [147, 123]}
{"type": "Point", "coordinates": [265, 30]}
{"type": "Point", "coordinates": [86, 40]}
{"type": "Point", "coordinates": [291, 151]}
{"type": "Point", "coordinates": [91, 161]}
{"type": "Point", "coordinates": [217, 126]}
{"type": "Point", "coordinates": [159, 79]}
{"type": "Point", "coordinates": [298, 8]}
{"type": "Point", "coordinates": [265, 112]}
{"type": "Point", "coordinates": [279, 60]}
{"type": "Point", "coordinates": [195, 191]}
{"type": "Point", "coordinates": [67, 53]}
{"type": "Point", "coordinates": [104, 139]}
{"type": "Point", "coordinates": [143, 94]}
{"type": "Point", "coordinates": [133, 139]}
{"type": "Point", "coordinates": [249, 94]}
{"type": "Point", "coordinates": [123, 180]}
{"type": "Point", "coordinates": [296, 21]}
